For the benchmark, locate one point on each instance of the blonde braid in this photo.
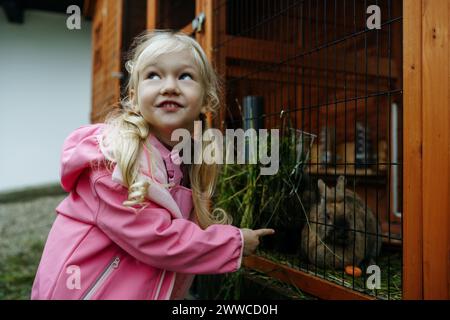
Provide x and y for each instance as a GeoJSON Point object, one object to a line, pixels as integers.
{"type": "Point", "coordinates": [127, 131]}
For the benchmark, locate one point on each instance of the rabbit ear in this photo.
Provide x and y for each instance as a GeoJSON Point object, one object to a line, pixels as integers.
{"type": "Point", "coordinates": [340, 185]}
{"type": "Point", "coordinates": [322, 187]}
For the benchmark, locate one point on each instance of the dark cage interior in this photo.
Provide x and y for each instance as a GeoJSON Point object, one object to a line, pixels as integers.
{"type": "Point", "coordinates": [328, 75]}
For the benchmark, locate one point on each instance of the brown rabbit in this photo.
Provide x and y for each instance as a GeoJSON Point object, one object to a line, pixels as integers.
{"type": "Point", "coordinates": [339, 233]}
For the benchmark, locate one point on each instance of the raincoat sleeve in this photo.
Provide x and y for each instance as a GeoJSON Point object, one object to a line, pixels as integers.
{"type": "Point", "coordinates": [154, 237]}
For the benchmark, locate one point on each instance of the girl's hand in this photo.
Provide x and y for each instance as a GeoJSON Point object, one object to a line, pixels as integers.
{"type": "Point", "coordinates": [251, 239]}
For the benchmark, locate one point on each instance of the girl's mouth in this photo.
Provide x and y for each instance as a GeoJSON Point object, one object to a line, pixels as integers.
{"type": "Point", "coordinates": [170, 106]}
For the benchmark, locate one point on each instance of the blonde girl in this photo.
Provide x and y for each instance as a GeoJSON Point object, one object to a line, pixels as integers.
{"type": "Point", "coordinates": [137, 223]}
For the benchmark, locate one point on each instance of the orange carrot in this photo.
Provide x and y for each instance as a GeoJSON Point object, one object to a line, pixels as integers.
{"type": "Point", "coordinates": [353, 271]}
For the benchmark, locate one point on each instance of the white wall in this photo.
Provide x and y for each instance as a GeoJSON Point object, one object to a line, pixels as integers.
{"type": "Point", "coordinates": [45, 93]}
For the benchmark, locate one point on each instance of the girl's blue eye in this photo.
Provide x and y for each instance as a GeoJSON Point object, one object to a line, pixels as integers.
{"type": "Point", "coordinates": [184, 75]}
{"type": "Point", "coordinates": [152, 75]}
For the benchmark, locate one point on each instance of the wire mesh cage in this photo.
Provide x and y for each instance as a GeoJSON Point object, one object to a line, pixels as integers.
{"type": "Point", "coordinates": [317, 67]}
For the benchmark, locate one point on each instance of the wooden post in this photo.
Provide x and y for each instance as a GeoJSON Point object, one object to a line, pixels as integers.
{"type": "Point", "coordinates": [436, 158]}
{"type": "Point", "coordinates": [412, 180]}
{"type": "Point", "coordinates": [426, 149]}
{"type": "Point", "coordinates": [152, 14]}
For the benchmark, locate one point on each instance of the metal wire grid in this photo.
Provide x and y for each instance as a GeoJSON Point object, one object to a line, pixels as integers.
{"type": "Point", "coordinates": [327, 72]}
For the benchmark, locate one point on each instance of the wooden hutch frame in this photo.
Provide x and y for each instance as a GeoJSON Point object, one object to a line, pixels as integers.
{"type": "Point", "coordinates": [426, 133]}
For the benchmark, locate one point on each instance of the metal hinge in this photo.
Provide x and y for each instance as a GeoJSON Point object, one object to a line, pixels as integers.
{"type": "Point", "coordinates": [197, 23]}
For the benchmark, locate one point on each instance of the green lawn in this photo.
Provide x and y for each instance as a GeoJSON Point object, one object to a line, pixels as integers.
{"type": "Point", "coordinates": [24, 226]}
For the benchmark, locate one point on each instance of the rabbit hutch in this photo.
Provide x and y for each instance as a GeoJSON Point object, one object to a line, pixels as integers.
{"type": "Point", "coordinates": [359, 93]}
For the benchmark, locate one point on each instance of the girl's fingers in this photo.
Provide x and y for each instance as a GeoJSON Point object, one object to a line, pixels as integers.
{"type": "Point", "coordinates": [264, 232]}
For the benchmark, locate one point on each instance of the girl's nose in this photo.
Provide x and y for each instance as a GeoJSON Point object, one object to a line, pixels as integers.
{"type": "Point", "coordinates": [170, 86]}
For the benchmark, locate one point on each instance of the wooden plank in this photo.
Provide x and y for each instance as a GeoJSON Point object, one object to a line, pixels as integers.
{"type": "Point", "coordinates": [412, 150]}
{"type": "Point", "coordinates": [436, 159]}
{"type": "Point", "coordinates": [219, 61]}
{"type": "Point", "coordinates": [205, 37]}
{"type": "Point", "coordinates": [107, 42]}
{"type": "Point", "coordinates": [152, 14]}
{"type": "Point", "coordinates": [200, 36]}
{"type": "Point", "coordinates": [317, 79]}
{"type": "Point", "coordinates": [310, 284]}
{"type": "Point", "coordinates": [397, 46]}
{"type": "Point", "coordinates": [89, 8]}
{"type": "Point", "coordinates": [269, 52]}
{"type": "Point", "coordinates": [115, 22]}
{"type": "Point", "coordinates": [97, 58]}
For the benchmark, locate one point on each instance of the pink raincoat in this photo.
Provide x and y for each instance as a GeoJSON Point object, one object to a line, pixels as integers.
{"type": "Point", "coordinates": [99, 249]}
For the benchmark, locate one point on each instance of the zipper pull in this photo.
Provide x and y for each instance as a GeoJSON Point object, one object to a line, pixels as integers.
{"type": "Point", "coordinates": [115, 263]}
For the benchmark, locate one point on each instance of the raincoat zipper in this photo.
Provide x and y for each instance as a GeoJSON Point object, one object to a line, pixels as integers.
{"type": "Point", "coordinates": [101, 279]}
{"type": "Point", "coordinates": [158, 288]}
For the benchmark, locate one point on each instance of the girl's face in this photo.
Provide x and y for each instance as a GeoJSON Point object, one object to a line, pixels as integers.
{"type": "Point", "coordinates": [170, 94]}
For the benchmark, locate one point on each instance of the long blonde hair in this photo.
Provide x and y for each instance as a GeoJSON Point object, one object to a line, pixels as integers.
{"type": "Point", "coordinates": [127, 130]}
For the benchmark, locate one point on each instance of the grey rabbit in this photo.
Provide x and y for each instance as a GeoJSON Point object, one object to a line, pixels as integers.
{"type": "Point", "coordinates": [340, 233]}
